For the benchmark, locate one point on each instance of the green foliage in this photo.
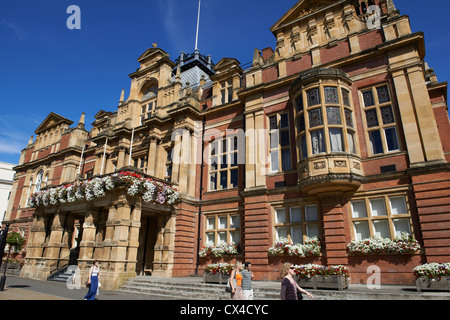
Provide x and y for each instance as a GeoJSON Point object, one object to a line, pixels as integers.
{"type": "Point", "coordinates": [15, 240]}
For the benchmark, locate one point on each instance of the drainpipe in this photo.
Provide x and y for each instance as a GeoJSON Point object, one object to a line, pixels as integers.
{"type": "Point", "coordinates": [201, 195]}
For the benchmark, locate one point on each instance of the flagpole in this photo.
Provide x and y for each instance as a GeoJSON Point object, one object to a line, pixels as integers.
{"type": "Point", "coordinates": [198, 23]}
{"type": "Point", "coordinates": [104, 154]}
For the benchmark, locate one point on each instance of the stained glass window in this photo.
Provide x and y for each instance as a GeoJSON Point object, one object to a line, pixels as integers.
{"type": "Point", "coordinates": [333, 115]}
{"type": "Point", "coordinates": [299, 103]}
{"type": "Point", "coordinates": [372, 119]}
{"type": "Point", "coordinates": [315, 118]}
{"type": "Point", "coordinates": [331, 95]}
{"type": "Point", "coordinates": [301, 123]}
{"type": "Point", "coordinates": [346, 98]}
{"type": "Point", "coordinates": [387, 115]}
{"type": "Point", "coordinates": [349, 118]}
{"type": "Point", "coordinates": [368, 98]}
{"type": "Point", "coordinates": [383, 94]}
{"type": "Point", "coordinates": [313, 97]}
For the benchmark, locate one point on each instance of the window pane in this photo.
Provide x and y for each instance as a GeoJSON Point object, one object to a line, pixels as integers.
{"type": "Point", "coordinates": [235, 221]}
{"type": "Point", "coordinates": [234, 176]}
{"type": "Point", "coordinates": [210, 223]}
{"type": "Point", "coordinates": [234, 159]}
{"type": "Point", "coordinates": [274, 161]}
{"type": "Point", "coordinates": [359, 209]}
{"type": "Point", "coordinates": [315, 118]}
{"type": "Point", "coordinates": [285, 138]}
{"type": "Point", "coordinates": [273, 122]}
{"type": "Point", "coordinates": [281, 232]}
{"type": "Point", "coordinates": [400, 226]}
{"type": "Point", "coordinates": [224, 179]}
{"type": "Point", "coordinates": [311, 213]}
{"type": "Point", "coordinates": [280, 216]}
{"type": "Point", "coordinates": [346, 97]}
{"type": "Point", "coordinates": [214, 161]}
{"type": "Point", "coordinates": [312, 230]}
{"type": "Point", "coordinates": [378, 208]}
{"type": "Point", "coordinates": [299, 103]}
{"type": "Point", "coordinates": [296, 214]}
{"type": "Point", "coordinates": [331, 95]}
{"type": "Point", "coordinates": [375, 142]}
{"type": "Point", "coordinates": [383, 94]}
{"type": "Point", "coordinates": [286, 159]}
{"type": "Point", "coordinates": [210, 238]}
{"type": "Point", "coordinates": [334, 115]}
{"type": "Point", "coordinates": [349, 118]}
{"type": "Point", "coordinates": [296, 234]}
{"type": "Point", "coordinates": [235, 236]}
{"type": "Point", "coordinates": [274, 139]}
{"type": "Point", "coordinates": [317, 142]}
{"type": "Point", "coordinates": [224, 145]}
{"type": "Point", "coordinates": [361, 230]}
{"type": "Point", "coordinates": [284, 121]}
{"type": "Point", "coordinates": [368, 98]}
{"type": "Point", "coordinates": [336, 139]}
{"type": "Point", "coordinates": [398, 205]}
{"type": "Point", "coordinates": [223, 163]}
{"type": "Point", "coordinates": [372, 118]}
{"type": "Point", "coordinates": [351, 142]}
{"type": "Point", "coordinates": [301, 122]}
{"type": "Point", "coordinates": [381, 229]}
{"type": "Point", "coordinates": [391, 139]}
{"type": "Point", "coordinates": [387, 115]}
{"type": "Point", "coordinates": [223, 222]}
{"type": "Point", "coordinates": [213, 181]}
{"type": "Point", "coordinates": [222, 237]}
{"type": "Point", "coordinates": [304, 147]}
{"type": "Point", "coordinates": [313, 97]}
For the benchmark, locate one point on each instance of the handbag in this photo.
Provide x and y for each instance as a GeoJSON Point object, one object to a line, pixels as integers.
{"type": "Point", "coordinates": [299, 295]}
{"type": "Point", "coordinates": [228, 287]}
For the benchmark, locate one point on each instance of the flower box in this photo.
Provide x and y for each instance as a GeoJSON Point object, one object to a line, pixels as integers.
{"type": "Point", "coordinates": [433, 284]}
{"type": "Point", "coordinates": [322, 277]}
{"type": "Point", "coordinates": [219, 277]}
{"type": "Point", "coordinates": [324, 282]}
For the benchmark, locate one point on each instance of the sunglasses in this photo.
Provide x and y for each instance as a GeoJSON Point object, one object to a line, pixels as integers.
{"type": "Point", "coordinates": [292, 268]}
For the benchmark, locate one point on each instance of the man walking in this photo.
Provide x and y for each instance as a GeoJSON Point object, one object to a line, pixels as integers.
{"type": "Point", "coordinates": [247, 276]}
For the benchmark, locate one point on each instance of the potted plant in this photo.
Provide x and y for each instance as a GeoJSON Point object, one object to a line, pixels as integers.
{"type": "Point", "coordinates": [318, 276]}
{"type": "Point", "coordinates": [222, 249]}
{"type": "Point", "coordinates": [432, 276]}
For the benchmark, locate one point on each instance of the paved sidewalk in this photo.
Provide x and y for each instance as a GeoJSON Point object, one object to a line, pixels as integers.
{"type": "Point", "coordinates": [17, 288]}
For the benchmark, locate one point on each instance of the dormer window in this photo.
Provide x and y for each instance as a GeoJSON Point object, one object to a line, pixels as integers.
{"type": "Point", "coordinates": [226, 91]}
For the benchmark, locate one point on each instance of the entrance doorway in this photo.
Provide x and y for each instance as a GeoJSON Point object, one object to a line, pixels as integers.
{"type": "Point", "coordinates": [147, 241]}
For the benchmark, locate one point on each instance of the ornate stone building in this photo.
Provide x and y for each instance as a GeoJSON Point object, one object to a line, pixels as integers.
{"type": "Point", "coordinates": [340, 132]}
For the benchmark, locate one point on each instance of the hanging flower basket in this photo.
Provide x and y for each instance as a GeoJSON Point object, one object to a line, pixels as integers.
{"type": "Point", "coordinates": [150, 190]}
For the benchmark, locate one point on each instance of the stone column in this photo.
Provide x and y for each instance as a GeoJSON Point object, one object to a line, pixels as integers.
{"type": "Point", "coordinates": [88, 239]}
{"type": "Point", "coordinates": [55, 242]}
{"type": "Point", "coordinates": [159, 247]}
{"type": "Point", "coordinates": [35, 247]}
{"type": "Point", "coordinates": [152, 158]}
{"type": "Point", "coordinates": [133, 245]}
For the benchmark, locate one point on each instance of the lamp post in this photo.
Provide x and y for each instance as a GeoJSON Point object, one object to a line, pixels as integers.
{"type": "Point", "coordinates": [2, 249]}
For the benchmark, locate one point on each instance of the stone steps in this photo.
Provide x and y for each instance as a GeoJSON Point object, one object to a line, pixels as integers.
{"type": "Point", "coordinates": [192, 288]}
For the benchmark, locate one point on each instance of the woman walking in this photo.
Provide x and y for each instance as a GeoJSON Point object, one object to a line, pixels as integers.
{"type": "Point", "coordinates": [288, 285]}
{"type": "Point", "coordinates": [93, 281]}
{"type": "Point", "coordinates": [236, 287]}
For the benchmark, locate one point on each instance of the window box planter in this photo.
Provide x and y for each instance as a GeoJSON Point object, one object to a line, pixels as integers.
{"type": "Point", "coordinates": [324, 282]}
{"type": "Point", "coordinates": [433, 276]}
{"type": "Point", "coordinates": [433, 284]}
{"type": "Point", "coordinates": [322, 277]}
{"type": "Point", "coordinates": [219, 277]}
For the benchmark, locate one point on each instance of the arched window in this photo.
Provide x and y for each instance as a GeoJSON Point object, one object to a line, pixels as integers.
{"type": "Point", "coordinates": [150, 92]}
{"type": "Point", "coordinates": [38, 185]}
{"type": "Point", "coordinates": [29, 191]}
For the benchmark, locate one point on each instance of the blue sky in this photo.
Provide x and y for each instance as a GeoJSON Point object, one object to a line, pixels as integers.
{"type": "Point", "coordinates": [45, 67]}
